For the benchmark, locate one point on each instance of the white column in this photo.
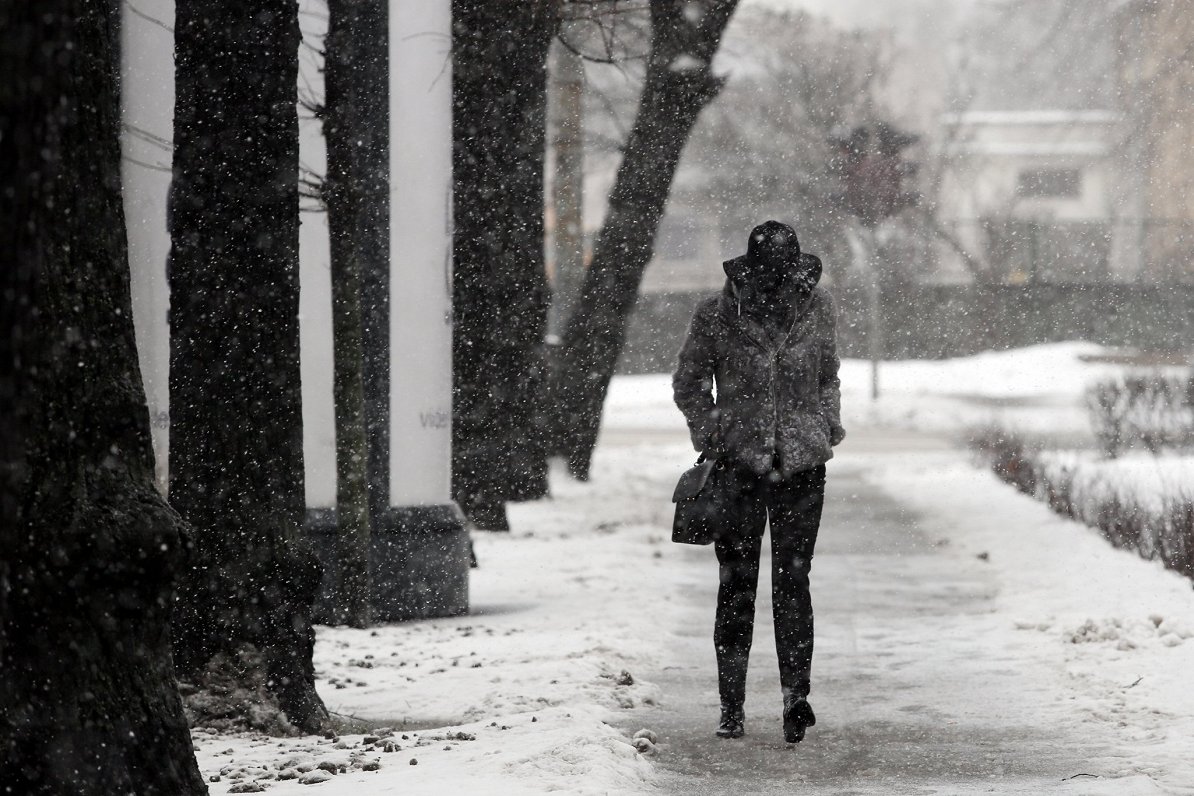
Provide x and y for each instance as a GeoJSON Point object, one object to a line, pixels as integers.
{"type": "Point", "coordinates": [315, 278]}
{"type": "Point", "coordinates": [147, 143]}
{"type": "Point", "coordinates": [147, 112]}
{"type": "Point", "coordinates": [420, 252]}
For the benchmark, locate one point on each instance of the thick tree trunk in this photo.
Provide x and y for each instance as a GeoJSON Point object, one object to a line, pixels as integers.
{"type": "Point", "coordinates": [236, 457]}
{"type": "Point", "coordinates": [355, 128]}
{"type": "Point", "coordinates": [88, 700]}
{"type": "Point", "coordinates": [679, 84]}
{"type": "Point", "coordinates": [500, 292]}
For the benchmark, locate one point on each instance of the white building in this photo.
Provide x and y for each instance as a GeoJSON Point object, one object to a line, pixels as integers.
{"type": "Point", "coordinates": [1031, 195]}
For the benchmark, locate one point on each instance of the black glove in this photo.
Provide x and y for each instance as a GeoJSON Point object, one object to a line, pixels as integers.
{"type": "Point", "coordinates": [836, 435]}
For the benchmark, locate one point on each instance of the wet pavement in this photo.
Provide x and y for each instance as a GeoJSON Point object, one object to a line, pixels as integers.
{"type": "Point", "coordinates": [909, 697]}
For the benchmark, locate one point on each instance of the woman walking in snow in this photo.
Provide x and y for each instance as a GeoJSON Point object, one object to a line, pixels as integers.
{"type": "Point", "coordinates": [768, 343]}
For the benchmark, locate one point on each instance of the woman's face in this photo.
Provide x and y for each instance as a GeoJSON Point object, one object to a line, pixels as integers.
{"type": "Point", "coordinates": [769, 277]}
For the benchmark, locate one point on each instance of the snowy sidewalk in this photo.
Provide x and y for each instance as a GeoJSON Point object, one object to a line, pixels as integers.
{"type": "Point", "coordinates": [968, 641]}
{"type": "Point", "coordinates": [951, 651]}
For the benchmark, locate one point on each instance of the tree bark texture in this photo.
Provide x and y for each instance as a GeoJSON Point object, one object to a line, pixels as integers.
{"type": "Point", "coordinates": [88, 699]}
{"type": "Point", "coordinates": [679, 84]}
{"type": "Point", "coordinates": [355, 128]}
{"type": "Point", "coordinates": [236, 457]}
{"type": "Point", "coordinates": [499, 287]}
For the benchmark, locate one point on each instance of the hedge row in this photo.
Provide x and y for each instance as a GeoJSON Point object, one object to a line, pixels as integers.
{"type": "Point", "coordinates": [1163, 532]}
{"type": "Point", "coordinates": [1146, 411]}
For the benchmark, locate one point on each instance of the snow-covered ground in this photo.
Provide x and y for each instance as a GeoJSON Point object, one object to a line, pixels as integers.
{"type": "Point", "coordinates": [531, 693]}
{"type": "Point", "coordinates": [1036, 389]}
{"type": "Point", "coordinates": [1141, 479]}
{"type": "Point", "coordinates": [1108, 636]}
{"type": "Point", "coordinates": [565, 610]}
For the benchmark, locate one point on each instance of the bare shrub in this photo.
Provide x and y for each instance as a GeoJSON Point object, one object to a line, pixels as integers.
{"type": "Point", "coordinates": [1164, 533]}
{"type": "Point", "coordinates": [1006, 453]}
{"type": "Point", "coordinates": [1148, 410]}
{"type": "Point", "coordinates": [1176, 538]}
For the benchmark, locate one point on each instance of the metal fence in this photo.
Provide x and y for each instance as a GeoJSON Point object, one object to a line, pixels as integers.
{"type": "Point", "coordinates": [935, 321]}
{"type": "Point", "coordinates": [1019, 251]}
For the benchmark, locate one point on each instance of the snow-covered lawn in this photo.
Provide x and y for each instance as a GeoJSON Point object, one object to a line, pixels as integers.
{"type": "Point", "coordinates": [1109, 635]}
{"type": "Point", "coordinates": [1141, 479]}
{"type": "Point", "coordinates": [523, 695]}
{"type": "Point", "coordinates": [1037, 389]}
{"type": "Point", "coordinates": [1139, 502]}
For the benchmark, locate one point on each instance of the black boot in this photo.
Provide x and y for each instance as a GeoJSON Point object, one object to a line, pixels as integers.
{"type": "Point", "coordinates": [798, 716]}
{"type": "Point", "coordinates": [733, 722]}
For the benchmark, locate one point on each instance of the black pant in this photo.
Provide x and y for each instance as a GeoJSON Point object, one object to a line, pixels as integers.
{"type": "Point", "coordinates": [794, 507]}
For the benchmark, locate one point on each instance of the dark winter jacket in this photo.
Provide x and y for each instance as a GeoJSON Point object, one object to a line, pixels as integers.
{"type": "Point", "coordinates": [777, 382]}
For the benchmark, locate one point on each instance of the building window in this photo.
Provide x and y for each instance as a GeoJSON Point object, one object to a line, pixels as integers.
{"type": "Point", "coordinates": [1050, 183]}
{"type": "Point", "coordinates": [1049, 251]}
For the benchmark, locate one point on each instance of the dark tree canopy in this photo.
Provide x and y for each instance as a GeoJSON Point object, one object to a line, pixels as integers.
{"type": "Point", "coordinates": [88, 700]}
{"type": "Point", "coordinates": [236, 458]}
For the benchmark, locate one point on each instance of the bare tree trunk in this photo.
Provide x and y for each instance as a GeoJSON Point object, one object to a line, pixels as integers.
{"type": "Point", "coordinates": [357, 179]}
{"type": "Point", "coordinates": [499, 286]}
{"type": "Point", "coordinates": [88, 699]}
{"type": "Point", "coordinates": [236, 456]}
{"type": "Point", "coordinates": [679, 84]}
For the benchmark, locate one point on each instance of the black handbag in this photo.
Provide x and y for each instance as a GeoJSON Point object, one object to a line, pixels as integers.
{"type": "Point", "coordinates": [706, 503]}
